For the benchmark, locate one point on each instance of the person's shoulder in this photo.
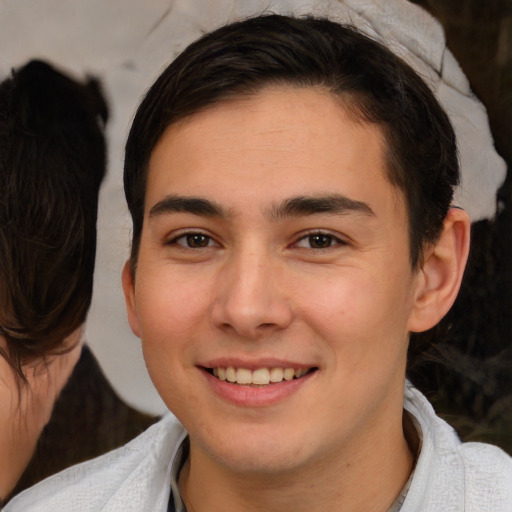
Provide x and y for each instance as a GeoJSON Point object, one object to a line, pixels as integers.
{"type": "Point", "coordinates": [451, 475]}
{"type": "Point", "coordinates": [487, 456]}
{"type": "Point", "coordinates": [488, 475]}
{"type": "Point", "coordinates": [119, 480]}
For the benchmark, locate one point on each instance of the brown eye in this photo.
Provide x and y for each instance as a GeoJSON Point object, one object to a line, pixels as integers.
{"type": "Point", "coordinates": [197, 240]}
{"type": "Point", "coordinates": [320, 241]}
{"type": "Point", "coordinates": [193, 241]}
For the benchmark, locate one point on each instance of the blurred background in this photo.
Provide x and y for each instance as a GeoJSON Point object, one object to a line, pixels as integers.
{"type": "Point", "coordinates": [467, 372]}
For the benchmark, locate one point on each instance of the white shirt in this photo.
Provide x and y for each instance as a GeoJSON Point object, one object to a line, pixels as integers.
{"type": "Point", "coordinates": [450, 476]}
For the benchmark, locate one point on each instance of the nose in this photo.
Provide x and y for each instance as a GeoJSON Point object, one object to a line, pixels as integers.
{"type": "Point", "coordinates": [251, 298]}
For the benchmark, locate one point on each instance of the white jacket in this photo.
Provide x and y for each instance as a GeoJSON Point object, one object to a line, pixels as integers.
{"type": "Point", "coordinates": [450, 476]}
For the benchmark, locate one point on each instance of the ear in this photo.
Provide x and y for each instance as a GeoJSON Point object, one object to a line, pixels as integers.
{"type": "Point", "coordinates": [441, 273]}
{"type": "Point", "coordinates": [129, 297]}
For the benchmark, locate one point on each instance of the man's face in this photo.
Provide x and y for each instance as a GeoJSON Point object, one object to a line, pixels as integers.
{"type": "Point", "coordinates": [273, 244]}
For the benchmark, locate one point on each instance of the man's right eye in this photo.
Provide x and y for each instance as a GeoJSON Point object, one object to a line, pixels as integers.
{"type": "Point", "coordinates": [193, 241]}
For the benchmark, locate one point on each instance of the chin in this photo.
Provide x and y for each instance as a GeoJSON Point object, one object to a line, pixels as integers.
{"type": "Point", "coordinates": [259, 454]}
{"type": "Point", "coordinates": [261, 462]}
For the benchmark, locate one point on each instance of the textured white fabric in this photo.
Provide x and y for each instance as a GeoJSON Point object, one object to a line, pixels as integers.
{"type": "Point", "coordinates": [449, 477]}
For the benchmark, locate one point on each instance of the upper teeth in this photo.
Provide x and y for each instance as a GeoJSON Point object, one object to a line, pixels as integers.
{"type": "Point", "coordinates": [261, 376]}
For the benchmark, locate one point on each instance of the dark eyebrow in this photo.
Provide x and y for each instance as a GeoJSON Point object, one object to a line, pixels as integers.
{"type": "Point", "coordinates": [305, 205]}
{"type": "Point", "coordinates": [193, 205]}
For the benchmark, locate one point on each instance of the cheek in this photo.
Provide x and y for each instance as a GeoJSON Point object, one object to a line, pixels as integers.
{"type": "Point", "coordinates": [169, 306]}
{"type": "Point", "coordinates": [172, 325]}
{"type": "Point", "coordinates": [358, 314]}
{"type": "Point", "coordinates": [172, 314]}
{"type": "Point", "coordinates": [342, 301]}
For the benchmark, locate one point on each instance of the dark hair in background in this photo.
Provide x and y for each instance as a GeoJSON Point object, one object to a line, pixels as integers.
{"type": "Point", "coordinates": [372, 83]}
{"type": "Point", "coordinates": [52, 162]}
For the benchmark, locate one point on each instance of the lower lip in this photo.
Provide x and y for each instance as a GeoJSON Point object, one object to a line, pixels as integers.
{"type": "Point", "coordinates": [256, 396]}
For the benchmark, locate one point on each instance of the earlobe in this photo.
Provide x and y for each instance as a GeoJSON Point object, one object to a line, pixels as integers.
{"type": "Point", "coordinates": [129, 297]}
{"type": "Point", "coordinates": [441, 274]}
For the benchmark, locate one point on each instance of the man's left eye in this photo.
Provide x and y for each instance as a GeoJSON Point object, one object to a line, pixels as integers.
{"type": "Point", "coordinates": [318, 241]}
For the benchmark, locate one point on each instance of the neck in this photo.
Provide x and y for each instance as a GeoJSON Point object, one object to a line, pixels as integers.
{"type": "Point", "coordinates": [367, 479]}
{"type": "Point", "coordinates": [16, 450]}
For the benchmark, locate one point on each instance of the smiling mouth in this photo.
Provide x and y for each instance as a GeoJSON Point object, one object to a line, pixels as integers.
{"type": "Point", "coordinates": [259, 377]}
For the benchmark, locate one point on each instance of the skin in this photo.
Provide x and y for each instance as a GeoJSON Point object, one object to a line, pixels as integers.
{"type": "Point", "coordinates": [23, 415]}
{"type": "Point", "coordinates": [249, 281]}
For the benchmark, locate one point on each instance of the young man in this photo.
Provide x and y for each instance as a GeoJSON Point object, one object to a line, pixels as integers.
{"type": "Point", "coordinates": [290, 184]}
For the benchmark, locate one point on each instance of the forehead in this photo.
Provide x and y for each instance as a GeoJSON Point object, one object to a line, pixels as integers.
{"type": "Point", "coordinates": [293, 140]}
